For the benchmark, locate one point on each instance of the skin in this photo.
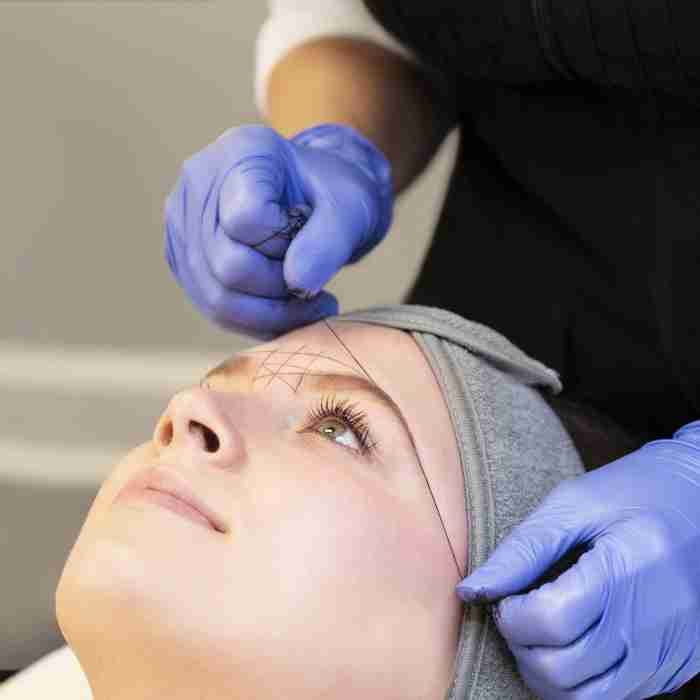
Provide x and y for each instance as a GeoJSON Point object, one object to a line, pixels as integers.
{"type": "Point", "coordinates": [351, 81]}
{"type": "Point", "coordinates": [334, 578]}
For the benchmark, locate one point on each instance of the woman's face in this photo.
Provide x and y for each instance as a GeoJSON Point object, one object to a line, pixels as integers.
{"type": "Point", "coordinates": [332, 578]}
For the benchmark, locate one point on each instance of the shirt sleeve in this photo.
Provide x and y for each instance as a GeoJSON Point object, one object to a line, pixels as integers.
{"type": "Point", "coordinates": [292, 22]}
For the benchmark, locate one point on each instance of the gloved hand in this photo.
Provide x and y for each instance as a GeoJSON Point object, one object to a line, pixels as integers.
{"type": "Point", "coordinates": [629, 608]}
{"type": "Point", "coordinates": [231, 223]}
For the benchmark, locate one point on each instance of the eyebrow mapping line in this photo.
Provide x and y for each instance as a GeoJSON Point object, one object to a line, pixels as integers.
{"type": "Point", "coordinates": [277, 373]}
{"type": "Point", "coordinates": [315, 355]}
{"type": "Point", "coordinates": [328, 325]}
{"type": "Point", "coordinates": [274, 370]}
{"type": "Point", "coordinates": [301, 376]}
{"type": "Point", "coordinates": [272, 374]}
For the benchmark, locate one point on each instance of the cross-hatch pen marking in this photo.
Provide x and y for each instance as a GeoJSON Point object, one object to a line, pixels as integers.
{"type": "Point", "coordinates": [317, 355]}
{"type": "Point", "coordinates": [275, 370]}
{"type": "Point", "coordinates": [276, 373]}
{"type": "Point", "coordinates": [306, 371]}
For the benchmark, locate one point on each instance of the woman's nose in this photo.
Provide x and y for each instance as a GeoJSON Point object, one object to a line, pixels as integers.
{"type": "Point", "coordinates": [194, 422]}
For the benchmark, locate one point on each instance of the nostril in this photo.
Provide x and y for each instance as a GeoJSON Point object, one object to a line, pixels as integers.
{"type": "Point", "coordinates": [211, 441]}
{"type": "Point", "coordinates": [166, 432]}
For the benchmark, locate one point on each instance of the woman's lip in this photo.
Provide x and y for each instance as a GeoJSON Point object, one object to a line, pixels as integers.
{"type": "Point", "coordinates": [168, 481]}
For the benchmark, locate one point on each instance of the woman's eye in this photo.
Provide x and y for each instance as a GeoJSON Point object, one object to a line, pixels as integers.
{"type": "Point", "coordinates": [336, 430]}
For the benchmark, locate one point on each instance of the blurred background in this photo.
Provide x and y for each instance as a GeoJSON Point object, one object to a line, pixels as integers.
{"type": "Point", "coordinates": [101, 103]}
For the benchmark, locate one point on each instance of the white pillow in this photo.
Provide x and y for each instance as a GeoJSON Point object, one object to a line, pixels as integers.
{"type": "Point", "coordinates": [56, 675]}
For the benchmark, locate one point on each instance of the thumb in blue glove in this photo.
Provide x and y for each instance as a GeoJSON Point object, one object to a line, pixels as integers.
{"type": "Point", "coordinates": [348, 184]}
{"type": "Point", "coordinates": [624, 620]}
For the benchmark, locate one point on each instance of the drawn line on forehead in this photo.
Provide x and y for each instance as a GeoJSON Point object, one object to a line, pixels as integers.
{"type": "Point", "coordinates": [350, 352]}
{"type": "Point", "coordinates": [241, 361]}
{"type": "Point", "coordinates": [301, 376]}
{"type": "Point", "coordinates": [352, 380]}
{"type": "Point", "coordinates": [363, 381]}
{"type": "Point", "coordinates": [276, 373]}
{"type": "Point", "coordinates": [272, 367]}
{"type": "Point", "coordinates": [326, 381]}
{"type": "Point", "coordinates": [227, 366]}
{"type": "Point", "coordinates": [315, 355]}
{"type": "Point", "coordinates": [259, 369]}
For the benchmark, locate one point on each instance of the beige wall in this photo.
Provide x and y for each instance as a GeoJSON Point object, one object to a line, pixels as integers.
{"type": "Point", "coordinates": [101, 102]}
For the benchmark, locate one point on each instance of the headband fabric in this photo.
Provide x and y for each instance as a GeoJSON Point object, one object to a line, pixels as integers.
{"type": "Point", "coordinates": [513, 449]}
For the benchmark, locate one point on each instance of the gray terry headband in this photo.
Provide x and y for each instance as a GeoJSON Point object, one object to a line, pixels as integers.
{"type": "Point", "coordinates": [513, 450]}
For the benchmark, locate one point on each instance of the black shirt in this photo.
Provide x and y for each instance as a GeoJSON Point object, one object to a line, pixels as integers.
{"type": "Point", "coordinates": [571, 222]}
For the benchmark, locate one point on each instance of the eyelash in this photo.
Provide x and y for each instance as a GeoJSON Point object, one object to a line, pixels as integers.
{"type": "Point", "coordinates": [354, 418]}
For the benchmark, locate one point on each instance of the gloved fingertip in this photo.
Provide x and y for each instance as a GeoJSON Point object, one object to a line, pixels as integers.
{"type": "Point", "coordinates": [473, 594]}
{"type": "Point", "coordinates": [303, 279]}
{"type": "Point", "coordinates": [327, 305]}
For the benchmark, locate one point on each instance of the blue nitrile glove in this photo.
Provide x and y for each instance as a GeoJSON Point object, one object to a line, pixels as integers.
{"type": "Point", "coordinates": [237, 237]}
{"type": "Point", "coordinates": [629, 608]}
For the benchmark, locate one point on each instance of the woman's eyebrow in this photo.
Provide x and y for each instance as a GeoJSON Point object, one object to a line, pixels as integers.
{"type": "Point", "coordinates": [244, 362]}
{"type": "Point", "coordinates": [246, 365]}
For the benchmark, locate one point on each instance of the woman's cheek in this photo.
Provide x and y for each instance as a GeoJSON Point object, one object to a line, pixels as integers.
{"type": "Point", "coordinates": [339, 528]}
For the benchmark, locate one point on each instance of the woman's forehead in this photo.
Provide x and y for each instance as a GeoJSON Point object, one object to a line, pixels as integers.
{"type": "Point", "coordinates": [341, 347]}
{"type": "Point", "coordinates": [387, 357]}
